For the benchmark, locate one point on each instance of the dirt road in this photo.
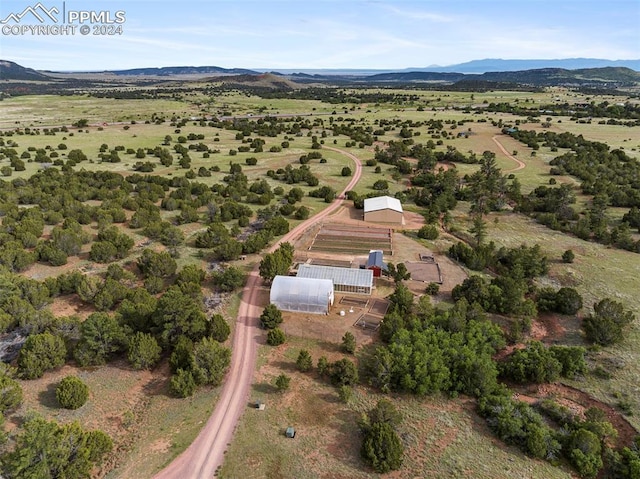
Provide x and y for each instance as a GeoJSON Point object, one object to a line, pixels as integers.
{"type": "Point", "coordinates": [201, 459]}
{"type": "Point", "coordinates": [520, 166]}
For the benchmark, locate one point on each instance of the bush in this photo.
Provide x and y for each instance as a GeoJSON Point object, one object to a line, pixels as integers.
{"type": "Point", "coordinates": [143, 351]}
{"type": "Point", "coordinates": [349, 343]}
{"type": "Point", "coordinates": [182, 384]}
{"type": "Point", "coordinates": [607, 323]}
{"type": "Point", "coordinates": [218, 328]}
{"type": "Point", "coordinates": [428, 232]}
{"type": "Point", "coordinates": [282, 382]}
{"type": "Point", "coordinates": [345, 393]}
{"type": "Point", "coordinates": [304, 361]}
{"type": "Point", "coordinates": [346, 171]}
{"type": "Point", "coordinates": [276, 337]}
{"type": "Point", "coordinates": [432, 289]}
{"type": "Point", "coordinates": [10, 394]}
{"type": "Point", "coordinates": [72, 393]}
{"type": "Point", "coordinates": [40, 353]}
{"type": "Point", "coordinates": [271, 317]}
{"type": "Point", "coordinates": [568, 256]}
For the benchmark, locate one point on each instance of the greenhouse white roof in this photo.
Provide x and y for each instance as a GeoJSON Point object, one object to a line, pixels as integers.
{"type": "Point", "coordinates": [382, 203]}
{"type": "Point", "coordinates": [290, 293]}
{"type": "Point", "coordinates": [341, 276]}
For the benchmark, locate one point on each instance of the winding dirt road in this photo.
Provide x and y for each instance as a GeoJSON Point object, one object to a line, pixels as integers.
{"type": "Point", "coordinates": [203, 457]}
{"type": "Point", "coordinates": [520, 166]}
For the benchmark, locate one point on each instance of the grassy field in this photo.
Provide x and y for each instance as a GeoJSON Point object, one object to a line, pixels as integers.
{"type": "Point", "coordinates": [598, 272]}
{"type": "Point", "coordinates": [444, 438]}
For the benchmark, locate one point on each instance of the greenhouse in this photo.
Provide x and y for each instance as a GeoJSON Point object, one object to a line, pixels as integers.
{"type": "Point", "coordinates": [304, 295]}
{"type": "Point", "coordinates": [345, 280]}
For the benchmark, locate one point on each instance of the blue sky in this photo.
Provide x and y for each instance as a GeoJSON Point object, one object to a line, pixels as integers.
{"type": "Point", "coordinates": [290, 34]}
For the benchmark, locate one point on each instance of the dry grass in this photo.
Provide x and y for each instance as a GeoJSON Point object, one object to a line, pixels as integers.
{"type": "Point", "coordinates": [443, 438]}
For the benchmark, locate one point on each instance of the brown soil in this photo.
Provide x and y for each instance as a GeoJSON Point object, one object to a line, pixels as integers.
{"type": "Point", "coordinates": [71, 305]}
{"type": "Point", "coordinates": [579, 401]}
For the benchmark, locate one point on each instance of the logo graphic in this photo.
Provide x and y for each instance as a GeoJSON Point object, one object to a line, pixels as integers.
{"type": "Point", "coordinates": [33, 11]}
{"type": "Point", "coordinates": [39, 20]}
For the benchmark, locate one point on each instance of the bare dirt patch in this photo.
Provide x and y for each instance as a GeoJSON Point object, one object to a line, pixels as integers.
{"type": "Point", "coordinates": [71, 305]}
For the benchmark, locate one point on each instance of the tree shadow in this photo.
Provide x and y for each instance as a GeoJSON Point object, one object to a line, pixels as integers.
{"type": "Point", "coordinates": [263, 388]}
{"type": "Point", "coordinates": [286, 366]}
{"type": "Point", "coordinates": [48, 397]}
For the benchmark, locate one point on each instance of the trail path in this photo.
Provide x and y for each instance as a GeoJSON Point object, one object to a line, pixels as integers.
{"type": "Point", "coordinates": [202, 458]}
{"type": "Point", "coordinates": [520, 166]}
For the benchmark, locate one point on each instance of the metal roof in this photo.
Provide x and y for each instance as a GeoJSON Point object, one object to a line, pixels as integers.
{"type": "Point", "coordinates": [291, 293]}
{"type": "Point", "coordinates": [343, 276]}
{"type": "Point", "coordinates": [376, 259]}
{"type": "Point", "coordinates": [382, 203]}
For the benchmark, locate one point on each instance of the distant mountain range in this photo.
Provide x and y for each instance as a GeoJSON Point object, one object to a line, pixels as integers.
{"type": "Point", "coordinates": [537, 77]}
{"type": "Point", "coordinates": [604, 76]}
{"type": "Point", "coordinates": [172, 71]}
{"type": "Point", "coordinates": [13, 71]}
{"type": "Point", "coordinates": [499, 65]}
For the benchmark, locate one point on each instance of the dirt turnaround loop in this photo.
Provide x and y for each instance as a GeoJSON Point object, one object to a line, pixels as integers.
{"type": "Point", "coordinates": [203, 457]}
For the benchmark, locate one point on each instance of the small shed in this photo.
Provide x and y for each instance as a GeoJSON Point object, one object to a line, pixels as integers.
{"type": "Point", "coordinates": [375, 262]}
{"type": "Point", "coordinates": [383, 209]}
{"type": "Point", "coordinates": [290, 432]}
{"type": "Point", "coordinates": [305, 295]}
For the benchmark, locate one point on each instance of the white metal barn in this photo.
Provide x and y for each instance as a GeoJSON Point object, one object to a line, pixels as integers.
{"type": "Point", "coordinates": [345, 280]}
{"type": "Point", "coordinates": [304, 295]}
{"type": "Point", "coordinates": [383, 209]}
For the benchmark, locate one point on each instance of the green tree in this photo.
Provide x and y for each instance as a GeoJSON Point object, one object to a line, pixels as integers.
{"type": "Point", "coordinates": [182, 384]}
{"type": "Point", "coordinates": [211, 361]}
{"type": "Point", "coordinates": [304, 361]}
{"type": "Point", "coordinates": [45, 449]}
{"type": "Point", "coordinates": [398, 272]}
{"type": "Point", "coordinates": [230, 279]}
{"type": "Point", "coordinates": [156, 264]}
{"type": "Point", "coordinates": [382, 448]}
{"type": "Point", "coordinates": [346, 171]}
{"type": "Point", "coordinates": [276, 337]}
{"type": "Point", "coordinates": [40, 353]}
{"type": "Point", "coordinates": [345, 393]}
{"type": "Point", "coordinates": [72, 393]}
{"type": "Point", "coordinates": [282, 382]}
{"type": "Point", "coordinates": [101, 336]}
{"type": "Point", "coordinates": [568, 256]}
{"type": "Point", "coordinates": [478, 229]}
{"type": "Point", "coordinates": [143, 351]}
{"type": "Point", "coordinates": [179, 314]}
{"type": "Point", "coordinates": [276, 263]}
{"type": "Point", "coordinates": [10, 394]}
{"type": "Point", "coordinates": [271, 317]}
{"type": "Point", "coordinates": [349, 343]}
{"type": "Point", "coordinates": [402, 299]}
{"type": "Point", "coordinates": [323, 365]}
{"type": "Point", "coordinates": [343, 373]}
{"type": "Point", "coordinates": [607, 324]}
{"type": "Point", "coordinates": [191, 274]}
{"type": "Point", "coordinates": [218, 328]}
{"type": "Point", "coordinates": [428, 232]}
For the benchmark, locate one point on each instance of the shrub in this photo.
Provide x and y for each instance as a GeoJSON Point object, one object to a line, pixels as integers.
{"type": "Point", "coordinates": [304, 361]}
{"type": "Point", "coordinates": [568, 256]}
{"type": "Point", "coordinates": [144, 351]}
{"type": "Point", "coordinates": [72, 393]}
{"type": "Point", "coordinates": [282, 382]}
{"type": "Point", "coordinates": [349, 343]}
{"type": "Point", "coordinates": [428, 232]}
{"type": "Point", "coordinates": [276, 337]}
{"type": "Point", "coordinates": [182, 384]}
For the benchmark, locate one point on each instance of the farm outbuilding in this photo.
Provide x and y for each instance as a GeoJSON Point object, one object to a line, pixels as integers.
{"type": "Point", "coordinates": [376, 263]}
{"type": "Point", "coordinates": [383, 209]}
{"type": "Point", "coordinates": [345, 280]}
{"type": "Point", "coordinates": [305, 295]}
